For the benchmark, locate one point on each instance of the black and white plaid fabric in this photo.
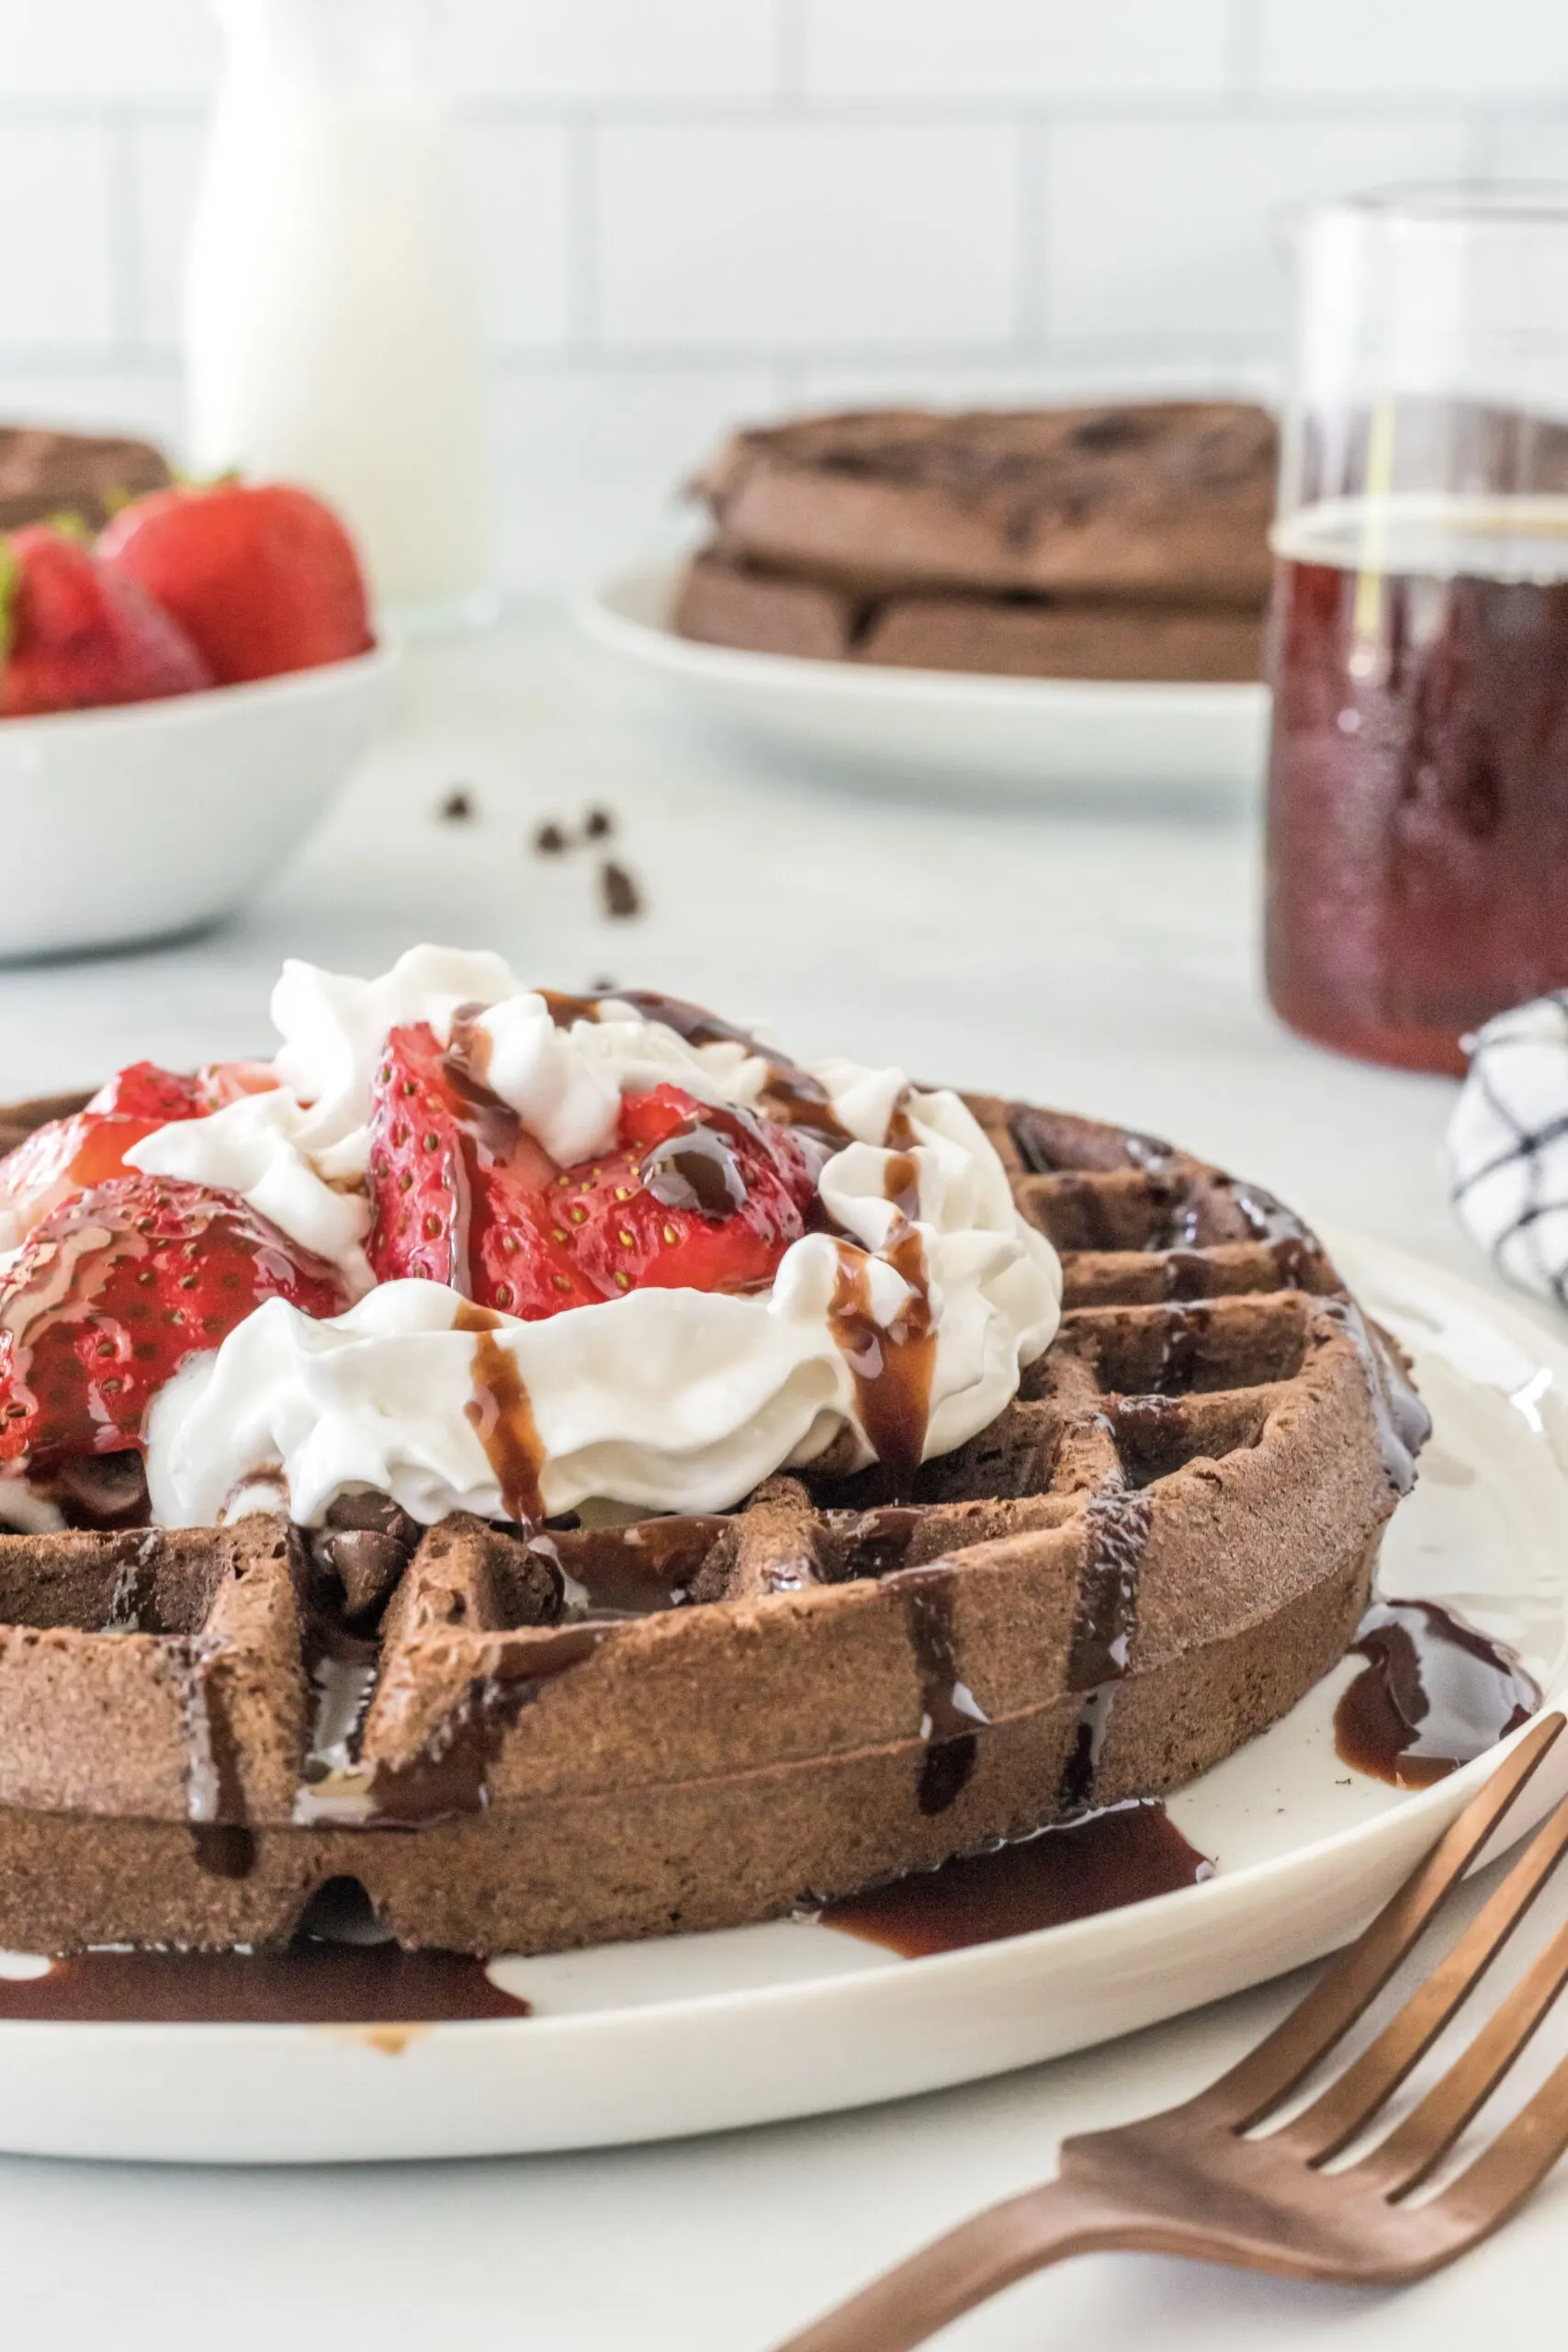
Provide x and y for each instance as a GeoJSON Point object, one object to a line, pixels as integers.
{"type": "Point", "coordinates": [1507, 1149]}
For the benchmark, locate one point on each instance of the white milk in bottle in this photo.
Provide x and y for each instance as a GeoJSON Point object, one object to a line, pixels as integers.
{"type": "Point", "coordinates": [333, 334]}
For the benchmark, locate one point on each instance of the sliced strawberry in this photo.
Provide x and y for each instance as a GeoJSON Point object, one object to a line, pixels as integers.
{"type": "Point", "coordinates": [219, 1083]}
{"type": "Point", "coordinates": [418, 1175]}
{"type": "Point", "coordinates": [689, 1199]}
{"type": "Point", "coordinates": [144, 1091]}
{"type": "Point", "coordinates": [458, 1186]}
{"type": "Point", "coordinates": [67, 1154]}
{"type": "Point", "coordinates": [116, 1289]}
{"type": "Point", "coordinates": [692, 1198]}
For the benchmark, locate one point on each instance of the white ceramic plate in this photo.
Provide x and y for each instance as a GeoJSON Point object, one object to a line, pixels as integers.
{"type": "Point", "coordinates": [637, 2041]}
{"type": "Point", "coordinates": [1041, 738]}
{"type": "Point", "coordinates": [149, 819]}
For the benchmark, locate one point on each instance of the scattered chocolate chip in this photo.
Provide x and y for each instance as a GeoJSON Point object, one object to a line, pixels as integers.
{"type": "Point", "coordinates": [363, 1506]}
{"type": "Point", "coordinates": [550, 840]}
{"type": "Point", "coordinates": [602, 985]}
{"type": "Point", "coordinates": [598, 825]}
{"type": "Point", "coordinates": [458, 806]}
{"type": "Point", "coordinates": [620, 894]}
{"type": "Point", "coordinates": [367, 1565]}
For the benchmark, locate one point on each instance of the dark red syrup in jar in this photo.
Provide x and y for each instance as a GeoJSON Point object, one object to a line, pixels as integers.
{"type": "Point", "coordinates": [1418, 778]}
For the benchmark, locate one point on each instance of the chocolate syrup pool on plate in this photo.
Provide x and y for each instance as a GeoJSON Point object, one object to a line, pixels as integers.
{"type": "Point", "coordinates": [338, 1970]}
{"type": "Point", "coordinates": [1434, 1694]}
{"type": "Point", "coordinates": [1099, 1863]}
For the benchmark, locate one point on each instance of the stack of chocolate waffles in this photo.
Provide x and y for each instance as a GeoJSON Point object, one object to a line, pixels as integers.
{"type": "Point", "coordinates": [520, 1741]}
{"type": "Point", "coordinates": [1125, 542]}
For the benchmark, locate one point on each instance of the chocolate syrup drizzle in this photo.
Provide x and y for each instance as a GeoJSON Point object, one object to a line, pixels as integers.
{"type": "Point", "coordinates": [217, 1809]}
{"type": "Point", "coordinates": [334, 1785]}
{"type": "Point", "coordinates": [1116, 1528]}
{"type": "Point", "coordinates": [491, 1125]}
{"type": "Point", "coordinates": [340, 1968]}
{"type": "Point", "coordinates": [1434, 1693]}
{"type": "Point", "coordinates": [950, 1710]}
{"type": "Point", "coordinates": [1403, 1423]}
{"type": "Point", "coordinates": [503, 1418]}
{"type": "Point", "coordinates": [1099, 1862]}
{"type": "Point", "coordinates": [792, 1095]}
{"type": "Point", "coordinates": [696, 1168]}
{"type": "Point", "coordinates": [892, 1363]}
{"type": "Point", "coordinates": [651, 1568]}
{"type": "Point", "coordinates": [133, 1604]}
{"type": "Point", "coordinates": [451, 1772]}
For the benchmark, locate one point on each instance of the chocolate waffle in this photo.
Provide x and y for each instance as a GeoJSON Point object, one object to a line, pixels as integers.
{"type": "Point", "coordinates": [1163, 498]}
{"type": "Point", "coordinates": [1120, 542]}
{"type": "Point", "coordinates": [87, 476]}
{"type": "Point", "coordinates": [523, 1741]}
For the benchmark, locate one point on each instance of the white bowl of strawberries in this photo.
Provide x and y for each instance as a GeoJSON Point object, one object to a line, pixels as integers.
{"type": "Point", "coordinates": [178, 704]}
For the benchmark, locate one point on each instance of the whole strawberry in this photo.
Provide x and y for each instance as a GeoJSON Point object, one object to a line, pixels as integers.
{"type": "Point", "coordinates": [263, 577]}
{"type": "Point", "coordinates": [116, 1289]}
{"type": "Point", "coordinates": [73, 634]}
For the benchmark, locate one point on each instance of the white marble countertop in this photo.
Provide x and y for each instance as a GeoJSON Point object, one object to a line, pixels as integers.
{"type": "Point", "coordinates": [1106, 966]}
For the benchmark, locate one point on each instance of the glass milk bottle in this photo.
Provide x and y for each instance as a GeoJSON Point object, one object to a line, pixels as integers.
{"type": "Point", "coordinates": [333, 334]}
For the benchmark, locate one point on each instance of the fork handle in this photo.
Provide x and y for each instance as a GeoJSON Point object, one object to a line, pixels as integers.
{"type": "Point", "coordinates": [976, 2260]}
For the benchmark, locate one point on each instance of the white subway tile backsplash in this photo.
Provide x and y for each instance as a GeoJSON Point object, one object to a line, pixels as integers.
{"type": "Point", "coordinates": [166, 158]}
{"type": "Point", "coordinates": [793, 233]}
{"type": "Point", "coordinates": [56, 278]}
{"type": "Point", "coordinates": [611, 50]}
{"type": "Point", "coordinates": [1121, 377]}
{"type": "Point", "coordinates": [1462, 49]}
{"type": "Point", "coordinates": [520, 181]}
{"type": "Point", "coordinates": [1013, 49]}
{"type": "Point", "coordinates": [590, 461]}
{"type": "Point", "coordinates": [1165, 234]}
{"type": "Point", "coordinates": [145, 401]}
{"type": "Point", "coordinates": [689, 210]}
{"type": "Point", "coordinates": [106, 49]}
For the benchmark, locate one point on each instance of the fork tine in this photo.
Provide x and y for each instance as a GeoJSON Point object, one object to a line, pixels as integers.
{"type": "Point", "coordinates": [1404, 2160]}
{"type": "Point", "coordinates": [1333, 2120]}
{"type": "Point", "coordinates": [1244, 2095]}
{"type": "Point", "coordinates": [1503, 2175]}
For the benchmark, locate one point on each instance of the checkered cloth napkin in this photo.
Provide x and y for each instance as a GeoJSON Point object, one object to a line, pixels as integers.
{"type": "Point", "coordinates": [1507, 1150]}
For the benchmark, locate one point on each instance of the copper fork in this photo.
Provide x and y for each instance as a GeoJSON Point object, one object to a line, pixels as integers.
{"type": "Point", "coordinates": [1190, 2181]}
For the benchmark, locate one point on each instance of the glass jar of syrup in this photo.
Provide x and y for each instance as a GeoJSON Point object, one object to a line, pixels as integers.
{"type": "Point", "coordinates": [1417, 829]}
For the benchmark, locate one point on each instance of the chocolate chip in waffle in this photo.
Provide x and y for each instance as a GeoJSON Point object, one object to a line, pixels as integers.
{"type": "Point", "coordinates": [521, 1741]}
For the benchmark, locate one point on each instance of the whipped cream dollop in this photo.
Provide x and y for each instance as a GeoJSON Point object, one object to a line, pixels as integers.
{"type": "Point", "coordinates": [255, 1147]}
{"type": "Point", "coordinates": [920, 1308]}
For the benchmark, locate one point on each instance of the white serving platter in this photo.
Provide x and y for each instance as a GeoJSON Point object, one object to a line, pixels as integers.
{"type": "Point", "coordinates": [1037, 738]}
{"type": "Point", "coordinates": [640, 2042]}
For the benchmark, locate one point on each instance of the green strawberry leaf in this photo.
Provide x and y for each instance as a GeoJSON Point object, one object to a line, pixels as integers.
{"type": "Point", "coordinates": [10, 583]}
